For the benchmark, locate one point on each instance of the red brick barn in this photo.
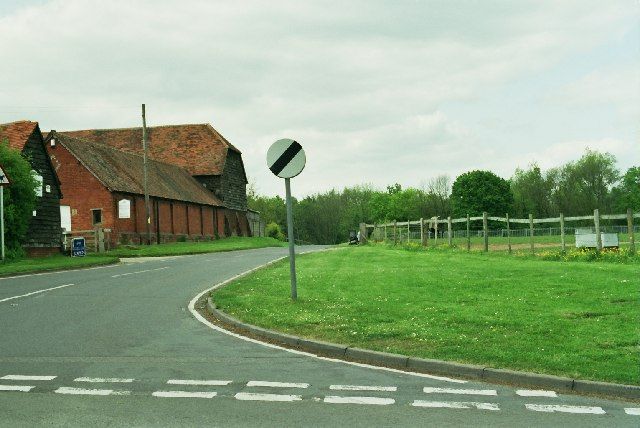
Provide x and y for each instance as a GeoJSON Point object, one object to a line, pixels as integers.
{"type": "Point", "coordinates": [199, 149]}
{"type": "Point", "coordinates": [104, 187]}
{"type": "Point", "coordinates": [44, 233]}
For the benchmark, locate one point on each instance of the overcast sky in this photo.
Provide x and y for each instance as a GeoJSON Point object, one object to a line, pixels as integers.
{"type": "Point", "coordinates": [376, 92]}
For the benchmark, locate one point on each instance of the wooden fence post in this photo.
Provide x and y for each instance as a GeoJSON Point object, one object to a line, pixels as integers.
{"type": "Point", "coordinates": [435, 239]}
{"type": "Point", "coordinates": [562, 238]}
{"type": "Point", "coordinates": [596, 223]}
{"type": "Point", "coordinates": [408, 229]}
{"type": "Point", "coordinates": [632, 241]}
{"type": "Point", "coordinates": [385, 233]}
{"type": "Point", "coordinates": [422, 232]}
{"type": "Point", "coordinates": [508, 233]}
{"type": "Point", "coordinates": [395, 234]}
{"type": "Point", "coordinates": [468, 233]}
{"type": "Point", "coordinates": [485, 229]}
{"type": "Point", "coordinates": [449, 231]}
{"type": "Point", "coordinates": [531, 234]}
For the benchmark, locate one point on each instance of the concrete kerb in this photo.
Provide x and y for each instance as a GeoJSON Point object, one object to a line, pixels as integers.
{"type": "Point", "coordinates": [467, 371]}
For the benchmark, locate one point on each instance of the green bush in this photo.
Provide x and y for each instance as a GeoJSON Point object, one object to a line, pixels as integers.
{"type": "Point", "coordinates": [273, 230]}
{"type": "Point", "coordinates": [181, 238]}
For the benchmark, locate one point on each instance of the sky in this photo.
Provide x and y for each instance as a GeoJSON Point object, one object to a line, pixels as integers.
{"type": "Point", "coordinates": [376, 92]}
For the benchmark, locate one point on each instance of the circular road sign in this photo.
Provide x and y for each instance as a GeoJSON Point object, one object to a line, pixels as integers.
{"type": "Point", "coordinates": [286, 158]}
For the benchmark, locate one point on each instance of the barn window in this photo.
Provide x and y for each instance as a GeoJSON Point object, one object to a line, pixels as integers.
{"type": "Point", "coordinates": [38, 178]}
{"type": "Point", "coordinates": [124, 208]}
{"type": "Point", "coordinates": [96, 216]}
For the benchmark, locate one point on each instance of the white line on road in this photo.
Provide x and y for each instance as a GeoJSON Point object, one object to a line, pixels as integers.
{"type": "Point", "coordinates": [455, 405]}
{"type": "Point", "coordinates": [198, 382]}
{"type": "Point", "coordinates": [251, 396]}
{"type": "Point", "coordinates": [277, 384]}
{"type": "Point", "coordinates": [140, 271]}
{"type": "Point", "coordinates": [66, 271]}
{"type": "Point", "coordinates": [35, 292]}
{"type": "Point", "coordinates": [103, 380]}
{"type": "Point", "coordinates": [81, 391]}
{"type": "Point", "coordinates": [21, 388]}
{"type": "Point", "coordinates": [184, 394]}
{"type": "Point", "coordinates": [26, 377]}
{"type": "Point", "coordinates": [632, 411]}
{"type": "Point", "coordinates": [334, 399]}
{"type": "Point", "coordinates": [551, 408]}
{"type": "Point", "coordinates": [430, 390]}
{"type": "Point", "coordinates": [536, 393]}
{"type": "Point", "coordinates": [363, 388]}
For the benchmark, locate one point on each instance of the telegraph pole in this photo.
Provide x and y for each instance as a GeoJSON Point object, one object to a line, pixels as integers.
{"type": "Point", "coordinates": [146, 187]}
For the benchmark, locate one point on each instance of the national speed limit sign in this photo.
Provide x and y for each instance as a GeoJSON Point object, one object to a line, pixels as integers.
{"type": "Point", "coordinates": [286, 158]}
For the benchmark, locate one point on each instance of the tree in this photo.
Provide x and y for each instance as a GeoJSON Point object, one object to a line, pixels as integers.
{"type": "Point", "coordinates": [19, 197]}
{"type": "Point", "coordinates": [477, 191]}
{"type": "Point", "coordinates": [531, 192]}
{"type": "Point", "coordinates": [627, 193]}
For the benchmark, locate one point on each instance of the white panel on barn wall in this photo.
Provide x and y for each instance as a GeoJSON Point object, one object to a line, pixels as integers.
{"type": "Point", "coordinates": [124, 208]}
{"type": "Point", "coordinates": [65, 217]}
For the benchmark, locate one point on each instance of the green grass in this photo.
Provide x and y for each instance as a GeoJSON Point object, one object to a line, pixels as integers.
{"type": "Point", "coordinates": [574, 319]}
{"type": "Point", "coordinates": [180, 248]}
{"type": "Point", "coordinates": [19, 266]}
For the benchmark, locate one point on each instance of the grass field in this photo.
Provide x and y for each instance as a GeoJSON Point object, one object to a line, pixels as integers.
{"type": "Point", "coordinates": [13, 267]}
{"type": "Point", "coordinates": [577, 319]}
{"type": "Point", "coordinates": [179, 248]}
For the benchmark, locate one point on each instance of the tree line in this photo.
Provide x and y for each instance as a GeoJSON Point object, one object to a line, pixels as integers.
{"type": "Point", "coordinates": [575, 188]}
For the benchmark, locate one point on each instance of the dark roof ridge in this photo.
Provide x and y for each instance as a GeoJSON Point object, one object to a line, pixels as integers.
{"type": "Point", "coordinates": [129, 128]}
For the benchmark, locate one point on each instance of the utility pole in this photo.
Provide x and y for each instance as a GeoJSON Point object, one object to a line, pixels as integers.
{"type": "Point", "coordinates": [147, 208]}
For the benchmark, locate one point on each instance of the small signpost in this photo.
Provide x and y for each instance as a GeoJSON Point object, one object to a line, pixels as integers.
{"type": "Point", "coordinates": [4, 181]}
{"type": "Point", "coordinates": [286, 159]}
{"type": "Point", "coordinates": [78, 248]}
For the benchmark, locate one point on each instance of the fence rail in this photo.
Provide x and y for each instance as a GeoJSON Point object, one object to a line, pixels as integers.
{"type": "Point", "coordinates": [429, 229]}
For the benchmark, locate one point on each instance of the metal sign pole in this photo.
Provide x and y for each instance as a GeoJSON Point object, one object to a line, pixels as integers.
{"type": "Point", "coordinates": [2, 220]}
{"type": "Point", "coordinates": [292, 252]}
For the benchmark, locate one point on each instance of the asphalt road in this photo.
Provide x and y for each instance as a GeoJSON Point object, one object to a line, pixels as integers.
{"type": "Point", "coordinates": [118, 346]}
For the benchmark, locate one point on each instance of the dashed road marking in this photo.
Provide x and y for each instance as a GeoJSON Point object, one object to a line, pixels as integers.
{"type": "Point", "coordinates": [334, 399]}
{"type": "Point", "coordinates": [103, 380]}
{"type": "Point", "coordinates": [199, 382]}
{"type": "Point", "coordinates": [81, 391]}
{"type": "Point", "coordinates": [277, 384]}
{"type": "Point", "coordinates": [137, 272]}
{"type": "Point", "coordinates": [27, 377]}
{"type": "Point", "coordinates": [456, 405]}
{"type": "Point", "coordinates": [430, 390]}
{"type": "Point", "coordinates": [363, 388]}
{"type": "Point", "coordinates": [21, 388]}
{"type": "Point", "coordinates": [551, 408]}
{"type": "Point", "coordinates": [635, 411]}
{"type": "Point", "coordinates": [536, 393]}
{"type": "Point", "coordinates": [35, 292]}
{"type": "Point", "coordinates": [251, 396]}
{"type": "Point", "coordinates": [184, 394]}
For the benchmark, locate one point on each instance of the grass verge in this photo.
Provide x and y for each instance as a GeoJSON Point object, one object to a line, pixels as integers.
{"type": "Point", "coordinates": [20, 266]}
{"type": "Point", "coordinates": [572, 319]}
{"type": "Point", "coordinates": [181, 248]}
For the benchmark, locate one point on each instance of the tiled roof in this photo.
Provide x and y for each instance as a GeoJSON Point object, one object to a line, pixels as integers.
{"type": "Point", "coordinates": [17, 133]}
{"type": "Point", "coordinates": [120, 171]}
{"type": "Point", "coordinates": [198, 148]}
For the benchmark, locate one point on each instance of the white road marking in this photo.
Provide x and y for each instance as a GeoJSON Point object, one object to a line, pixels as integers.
{"type": "Point", "coordinates": [251, 396]}
{"type": "Point", "coordinates": [551, 408]}
{"type": "Point", "coordinates": [26, 377]}
{"type": "Point", "coordinates": [198, 382]}
{"type": "Point", "coordinates": [57, 272]}
{"type": "Point", "coordinates": [535, 393]}
{"type": "Point", "coordinates": [277, 384]}
{"type": "Point", "coordinates": [334, 399]}
{"type": "Point", "coordinates": [430, 390]}
{"type": "Point", "coordinates": [35, 292]}
{"type": "Point", "coordinates": [103, 380]}
{"type": "Point", "coordinates": [21, 388]}
{"type": "Point", "coordinates": [363, 388]}
{"type": "Point", "coordinates": [212, 326]}
{"type": "Point", "coordinates": [184, 394]}
{"type": "Point", "coordinates": [632, 411]}
{"type": "Point", "coordinates": [140, 271]}
{"type": "Point", "coordinates": [456, 405]}
{"type": "Point", "coordinates": [81, 391]}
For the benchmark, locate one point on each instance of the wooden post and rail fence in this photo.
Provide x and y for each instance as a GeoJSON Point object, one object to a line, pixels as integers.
{"type": "Point", "coordinates": [428, 229]}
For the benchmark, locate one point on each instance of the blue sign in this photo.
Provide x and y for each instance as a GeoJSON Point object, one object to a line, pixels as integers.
{"type": "Point", "coordinates": [78, 247]}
